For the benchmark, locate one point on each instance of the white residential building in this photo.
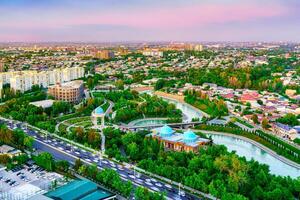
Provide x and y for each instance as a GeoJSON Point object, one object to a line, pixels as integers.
{"type": "Point", "coordinates": [24, 80]}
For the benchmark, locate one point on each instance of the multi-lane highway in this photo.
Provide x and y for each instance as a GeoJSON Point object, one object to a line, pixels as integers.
{"type": "Point", "coordinates": [65, 151]}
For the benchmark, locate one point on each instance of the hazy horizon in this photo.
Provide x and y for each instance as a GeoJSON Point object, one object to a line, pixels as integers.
{"type": "Point", "coordinates": [30, 21]}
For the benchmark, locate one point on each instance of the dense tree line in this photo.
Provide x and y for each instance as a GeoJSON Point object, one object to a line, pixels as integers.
{"type": "Point", "coordinates": [88, 137]}
{"type": "Point", "coordinates": [215, 108]}
{"type": "Point", "coordinates": [16, 138]}
{"type": "Point", "coordinates": [106, 177]}
{"type": "Point", "coordinates": [142, 193]}
{"type": "Point", "coordinates": [45, 118]}
{"type": "Point", "coordinates": [225, 175]}
{"type": "Point", "coordinates": [213, 170]}
{"type": "Point", "coordinates": [290, 119]}
{"type": "Point", "coordinates": [20, 109]}
{"type": "Point", "coordinates": [258, 78]}
{"type": "Point", "coordinates": [130, 106]}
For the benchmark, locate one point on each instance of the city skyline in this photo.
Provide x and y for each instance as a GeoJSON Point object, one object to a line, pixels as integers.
{"type": "Point", "coordinates": [132, 20]}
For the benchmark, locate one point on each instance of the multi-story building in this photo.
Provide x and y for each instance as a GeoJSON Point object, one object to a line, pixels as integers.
{"type": "Point", "coordinates": [71, 91]}
{"type": "Point", "coordinates": [21, 83]}
{"type": "Point", "coordinates": [24, 80]}
{"type": "Point", "coordinates": [104, 54]}
{"type": "Point", "coordinates": [198, 47]}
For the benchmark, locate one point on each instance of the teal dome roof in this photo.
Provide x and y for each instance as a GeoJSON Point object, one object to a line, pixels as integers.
{"type": "Point", "coordinates": [189, 136]}
{"type": "Point", "coordinates": [99, 111]}
{"type": "Point", "coordinates": [166, 131]}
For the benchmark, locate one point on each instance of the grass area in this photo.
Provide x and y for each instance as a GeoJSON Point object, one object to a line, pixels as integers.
{"type": "Point", "coordinates": [69, 116]}
{"type": "Point", "coordinates": [105, 106]}
{"type": "Point", "coordinates": [98, 94]}
{"type": "Point", "coordinates": [85, 125]}
{"type": "Point", "coordinates": [76, 120]}
{"type": "Point", "coordinates": [63, 126]}
{"type": "Point", "coordinates": [297, 141]}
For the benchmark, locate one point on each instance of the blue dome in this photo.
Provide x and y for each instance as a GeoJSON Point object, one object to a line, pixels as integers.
{"type": "Point", "coordinates": [189, 136]}
{"type": "Point", "coordinates": [166, 131]}
{"type": "Point", "coordinates": [99, 111]}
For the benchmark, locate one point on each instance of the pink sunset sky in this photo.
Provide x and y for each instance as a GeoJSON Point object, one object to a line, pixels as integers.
{"type": "Point", "coordinates": [144, 20]}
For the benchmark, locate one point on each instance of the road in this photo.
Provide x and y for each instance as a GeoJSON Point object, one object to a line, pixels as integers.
{"type": "Point", "coordinates": [64, 151]}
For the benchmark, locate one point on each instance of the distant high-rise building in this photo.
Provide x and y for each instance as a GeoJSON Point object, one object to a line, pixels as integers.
{"type": "Point", "coordinates": [104, 54]}
{"type": "Point", "coordinates": [194, 47]}
{"type": "Point", "coordinates": [123, 51]}
{"type": "Point", "coordinates": [198, 47]}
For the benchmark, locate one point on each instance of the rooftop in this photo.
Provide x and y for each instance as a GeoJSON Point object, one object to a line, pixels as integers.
{"type": "Point", "coordinates": [44, 103]}
{"type": "Point", "coordinates": [69, 85]}
{"type": "Point", "coordinates": [99, 111]}
{"type": "Point", "coordinates": [79, 189]}
{"type": "Point", "coordinates": [166, 131]}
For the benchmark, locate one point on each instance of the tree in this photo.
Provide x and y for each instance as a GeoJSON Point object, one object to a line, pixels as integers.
{"type": "Point", "coordinates": [120, 84]}
{"type": "Point", "coordinates": [90, 83]}
{"type": "Point", "coordinates": [28, 142]}
{"type": "Point", "coordinates": [260, 102]}
{"type": "Point", "coordinates": [255, 118]}
{"type": "Point", "coordinates": [142, 193]}
{"type": "Point", "coordinates": [289, 119]}
{"type": "Point", "coordinates": [78, 164]}
{"type": "Point", "coordinates": [4, 159]}
{"type": "Point", "coordinates": [133, 151]}
{"type": "Point", "coordinates": [159, 84]}
{"type": "Point", "coordinates": [62, 165]}
{"type": "Point", "coordinates": [231, 196]}
{"type": "Point", "coordinates": [265, 123]}
{"type": "Point", "coordinates": [45, 160]}
{"type": "Point", "coordinates": [79, 133]}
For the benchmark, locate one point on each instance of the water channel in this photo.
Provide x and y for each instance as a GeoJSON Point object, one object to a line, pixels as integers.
{"type": "Point", "coordinates": [242, 147]}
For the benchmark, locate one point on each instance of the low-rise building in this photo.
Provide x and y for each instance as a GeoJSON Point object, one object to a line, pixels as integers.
{"type": "Point", "coordinates": [284, 131]}
{"type": "Point", "coordinates": [188, 141]}
{"type": "Point", "coordinates": [43, 103]}
{"type": "Point", "coordinates": [10, 151]}
{"type": "Point", "coordinates": [153, 52]}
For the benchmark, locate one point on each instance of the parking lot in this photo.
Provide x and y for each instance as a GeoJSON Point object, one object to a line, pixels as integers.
{"type": "Point", "coordinates": [25, 181]}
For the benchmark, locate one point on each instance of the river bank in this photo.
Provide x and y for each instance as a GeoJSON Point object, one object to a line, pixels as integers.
{"type": "Point", "coordinates": [271, 152]}
{"type": "Point", "coordinates": [179, 99]}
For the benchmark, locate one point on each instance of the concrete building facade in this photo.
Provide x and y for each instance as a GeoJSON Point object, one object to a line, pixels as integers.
{"type": "Point", "coordinates": [71, 91]}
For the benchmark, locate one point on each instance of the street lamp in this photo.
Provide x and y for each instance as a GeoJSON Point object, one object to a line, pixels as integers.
{"type": "Point", "coordinates": [133, 171]}
{"type": "Point", "coordinates": [179, 192]}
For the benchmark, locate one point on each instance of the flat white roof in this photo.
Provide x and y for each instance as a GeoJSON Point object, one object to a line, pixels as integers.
{"type": "Point", "coordinates": [44, 103]}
